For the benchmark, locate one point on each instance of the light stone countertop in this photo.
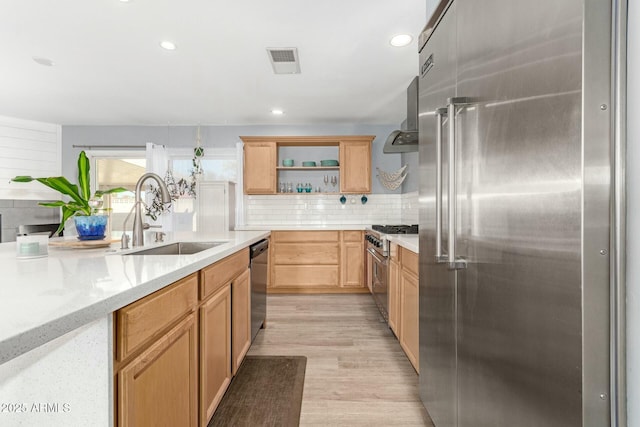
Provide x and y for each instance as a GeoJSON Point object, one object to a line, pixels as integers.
{"type": "Point", "coordinates": [303, 227]}
{"type": "Point", "coordinates": [44, 298]}
{"type": "Point", "coordinates": [408, 241]}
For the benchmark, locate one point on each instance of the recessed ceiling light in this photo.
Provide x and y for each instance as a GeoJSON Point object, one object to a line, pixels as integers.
{"type": "Point", "coordinates": [125, 1]}
{"type": "Point", "coordinates": [401, 40]}
{"type": "Point", "coordinates": [43, 61]}
{"type": "Point", "coordinates": [277, 112]}
{"type": "Point", "coordinates": [166, 44]}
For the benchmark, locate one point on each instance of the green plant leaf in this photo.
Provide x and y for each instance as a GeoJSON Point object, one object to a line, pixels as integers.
{"type": "Point", "coordinates": [61, 184]}
{"type": "Point", "coordinates": [100, 193]}
{"type": "Point", "coordinates": [58, 183]}
{"type": "Point", "coordinates": [83, 176]}
{"type": "Point", "coordinates": [22, 178]}
{"type": "Point", "coordinates": [66, 214]}
{"type": "Point", "coordinates": [59, 203]}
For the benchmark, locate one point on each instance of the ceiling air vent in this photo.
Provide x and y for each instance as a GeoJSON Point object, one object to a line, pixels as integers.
{"type": "Point", "coordinates": [284, 60]}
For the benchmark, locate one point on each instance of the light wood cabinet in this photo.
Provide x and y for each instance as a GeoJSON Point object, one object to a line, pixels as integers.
{"type": "Point", "coordinates": [260, 161]}
{"type": "Point", "coordinates": [143, 321]}
{"type": "Point", "coordinates": [225, 322]}
{"type": "Point", "coordinates": [241, 323]}
{"type": "Point", "coordinates": [394, 289]}
{"type": "Point", "coordinates": [160, 385]}
{"type": "Point", "coordinates": [352, 262]}
{"type": "Point", "coordinates": [175, 353]}
{"type": "Point", "coordinates": [215, 351]}
{"type": "Point", "coordinates": [214, 276]}
{"type": "Point", "coordinates": [409, 306]}
{"type": "Point", "coordinates": [355, 167]}
{"type": "Point", "coordinates": [316, 262]}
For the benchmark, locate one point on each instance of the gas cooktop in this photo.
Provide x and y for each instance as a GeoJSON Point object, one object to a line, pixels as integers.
{"type": "Point", "coordinates": [396, 229]}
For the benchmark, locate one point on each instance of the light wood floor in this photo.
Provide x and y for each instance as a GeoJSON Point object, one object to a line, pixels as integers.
{"type": "Point", "coordinates": [357, 374]}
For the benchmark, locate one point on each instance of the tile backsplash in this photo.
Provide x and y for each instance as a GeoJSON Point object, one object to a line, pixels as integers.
{"type": "Point", "coordinates": [23, 212]}
{"type": "Point", "coordinates": [324, 209]}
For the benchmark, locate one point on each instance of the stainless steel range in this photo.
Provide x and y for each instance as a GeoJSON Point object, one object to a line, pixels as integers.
{"type": "Point", "coordinates": [377, 242]}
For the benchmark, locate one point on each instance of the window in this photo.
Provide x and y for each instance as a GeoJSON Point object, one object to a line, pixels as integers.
{"type": "Point", "coordinates": [117, 169]}
{"type": "Point", "coordinates": [111, 169]}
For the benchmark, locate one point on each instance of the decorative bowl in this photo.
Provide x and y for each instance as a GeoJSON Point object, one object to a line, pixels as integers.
{"type": "Point", "coordinates": [309, 164]}
{"type": "Point", "coordinates": [329, 163]}
{"type": "Point", "coordinates": [287, 162]}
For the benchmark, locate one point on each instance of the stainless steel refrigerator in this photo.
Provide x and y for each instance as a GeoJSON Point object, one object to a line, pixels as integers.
{"type": "Point", "coordinates": [515, 188]}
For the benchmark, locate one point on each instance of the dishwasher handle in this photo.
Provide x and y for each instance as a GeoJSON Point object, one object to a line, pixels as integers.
{"type": "Point", "coordinates": [258, 248]}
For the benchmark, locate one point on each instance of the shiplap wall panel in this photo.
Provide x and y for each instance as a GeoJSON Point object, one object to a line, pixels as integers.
{"type": "Point", "coordinates": [29, 148]}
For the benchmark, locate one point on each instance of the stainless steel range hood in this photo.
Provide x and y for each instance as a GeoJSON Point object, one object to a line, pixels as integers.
{"type": "Point", "coordinates": [406, 139]}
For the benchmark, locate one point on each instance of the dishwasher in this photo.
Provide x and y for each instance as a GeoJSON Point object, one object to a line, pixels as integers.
{"type": "Point", "coordinates": [259, 257]}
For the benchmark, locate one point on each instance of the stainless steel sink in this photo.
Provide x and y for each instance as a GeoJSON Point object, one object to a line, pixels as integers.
{"type": "Point", "coordinates": [178, 248]}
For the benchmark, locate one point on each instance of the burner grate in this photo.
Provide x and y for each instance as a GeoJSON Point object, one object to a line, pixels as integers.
{"type": "Point", "coordinates": [396, 229]}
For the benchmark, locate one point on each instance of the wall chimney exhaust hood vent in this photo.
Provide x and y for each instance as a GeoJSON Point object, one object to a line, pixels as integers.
{"type": "Point", "coordinates": [406, 139]}
{"type": "Point", "coordinates": [284, 60]}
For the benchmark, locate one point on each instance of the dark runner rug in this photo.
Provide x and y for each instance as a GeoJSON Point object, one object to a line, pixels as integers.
{"type": "Point", "coordinates": [266, 391]}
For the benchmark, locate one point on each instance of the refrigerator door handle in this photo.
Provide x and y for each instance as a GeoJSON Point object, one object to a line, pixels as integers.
{"type": "Point", "coordinates": [455, 263]}
{"type": "Point", "coordinates": [440, 113]}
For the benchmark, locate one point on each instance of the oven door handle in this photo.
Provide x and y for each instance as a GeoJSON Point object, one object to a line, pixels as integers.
{"type": "Point", "coordinates": [375, 255]}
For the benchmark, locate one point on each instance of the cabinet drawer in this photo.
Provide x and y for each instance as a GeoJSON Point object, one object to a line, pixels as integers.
{"type": "Point", "coordinates": [305, 236]}
{"type": "Point", "coordinates": [140, 321]}
{"type": "Point", "coordinates": [301, 276]}
{"type": "Point", "coordinates": [306, 253]}
{"type": "Point", "coordinates": [410, 261]}
{"type": "Point", "coordinates": [215, 276]}
{"type": "Point", "coordinates": [352, 236]}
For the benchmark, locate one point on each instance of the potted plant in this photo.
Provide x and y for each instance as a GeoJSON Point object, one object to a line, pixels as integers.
{"type": "Point", "coordinates": [86, 211]}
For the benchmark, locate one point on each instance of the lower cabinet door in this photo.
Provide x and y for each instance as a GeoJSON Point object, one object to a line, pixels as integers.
{"type": "Point", "coordinates": [409, 317]}
{"type": "Point", "coordinates": [394, 297]}
{"type": "Point", "coordinates": [241, 324]}
{"type": "Point", "coordinates": [215, 351]}
{"type": "Point", "coordinates": [160, 386]}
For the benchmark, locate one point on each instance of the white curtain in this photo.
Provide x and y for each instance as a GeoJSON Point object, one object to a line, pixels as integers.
{"type": "Point", "coordinates": [158, 163]}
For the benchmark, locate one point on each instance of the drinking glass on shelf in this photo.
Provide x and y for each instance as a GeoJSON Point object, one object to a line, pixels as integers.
{"type": "Point", "coordinates": [334, 180]}
{"type": "Point", "coordinates": [326, 182]}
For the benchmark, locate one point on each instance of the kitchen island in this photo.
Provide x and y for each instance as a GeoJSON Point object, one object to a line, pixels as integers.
{"type": "Point", "coordinates": [56, 331]}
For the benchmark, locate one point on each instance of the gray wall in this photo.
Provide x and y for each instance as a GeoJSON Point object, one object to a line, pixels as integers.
{"type": "Point", "coordinates": [411, 182]}
{"type": "Point", "coordinates": [218, 137]}
{"type": "Point", "coordinates": [24, 212]}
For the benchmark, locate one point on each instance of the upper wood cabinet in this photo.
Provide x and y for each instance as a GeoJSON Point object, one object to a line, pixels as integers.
{"type": "Point", "coordinates": [261, 160]}
{"type": "Point", "coordinates": [355, 166]}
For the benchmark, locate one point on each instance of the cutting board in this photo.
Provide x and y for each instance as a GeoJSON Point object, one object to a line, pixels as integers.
{"type": "Point", "coordinates": [74, 243]}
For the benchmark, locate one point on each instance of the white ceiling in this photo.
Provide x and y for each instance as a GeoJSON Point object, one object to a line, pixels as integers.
{"type": "Point", "coordinates": [110, 69]}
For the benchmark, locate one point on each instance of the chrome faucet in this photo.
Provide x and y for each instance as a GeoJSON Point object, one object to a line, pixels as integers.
{"type": "Point", "coordinates": [138, 235]}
